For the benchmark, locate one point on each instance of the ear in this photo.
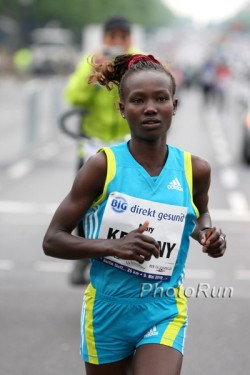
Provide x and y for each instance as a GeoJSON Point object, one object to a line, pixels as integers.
{"type": "Point", "coordinates": [122, 107]}
{"type": "Point", "coordinates": [175, 105]}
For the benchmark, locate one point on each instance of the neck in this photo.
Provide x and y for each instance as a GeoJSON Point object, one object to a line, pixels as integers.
{"type": "Point", "coordinates": [152, 156]}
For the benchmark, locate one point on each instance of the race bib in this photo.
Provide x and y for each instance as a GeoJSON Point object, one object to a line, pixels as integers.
{"type": "Point", "coordinates": [124, 213]}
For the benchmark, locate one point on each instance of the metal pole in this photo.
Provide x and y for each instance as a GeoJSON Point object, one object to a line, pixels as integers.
{"type": "Point", "coordinates": [32, 113]}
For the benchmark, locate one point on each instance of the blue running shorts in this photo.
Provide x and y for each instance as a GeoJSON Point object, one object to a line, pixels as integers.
{"type": "Point", "coordinates": [112, 328]}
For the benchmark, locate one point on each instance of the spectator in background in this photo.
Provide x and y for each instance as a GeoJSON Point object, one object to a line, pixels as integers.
{"type": "Point", "coordinates": [207, 81]}
{"type": "Point", "coordinates": [102, 122]}
{"type": "Point", "coordinates": [22, 61]}
{"type": "Point", "coordinates": [223, 75]}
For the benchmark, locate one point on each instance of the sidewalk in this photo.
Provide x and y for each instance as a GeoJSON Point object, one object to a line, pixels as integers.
{"type": "Point", "coordinates": [29, 115]}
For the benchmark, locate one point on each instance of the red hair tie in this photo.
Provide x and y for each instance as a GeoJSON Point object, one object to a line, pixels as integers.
{"type": "Point", "coordinates": [139, 57]}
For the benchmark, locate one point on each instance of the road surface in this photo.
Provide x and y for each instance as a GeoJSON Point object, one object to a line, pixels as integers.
{"type": "Point", "coordinates": [40, 310]}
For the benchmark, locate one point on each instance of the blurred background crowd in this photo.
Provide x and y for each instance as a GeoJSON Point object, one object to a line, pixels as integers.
{"type": "Point", "coordinates": [47, 37]}
{"type": "Point", "coordinates": [44, 39]}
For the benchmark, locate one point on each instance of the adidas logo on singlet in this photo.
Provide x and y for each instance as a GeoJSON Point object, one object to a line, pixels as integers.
{"type": "Point", "coordinates": [175, 185]}
{"type": "Point", "coordinates": [152, 332]}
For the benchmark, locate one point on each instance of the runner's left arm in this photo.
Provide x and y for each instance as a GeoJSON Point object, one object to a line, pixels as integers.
{"type": "Point", "coordinates": [211, 238]}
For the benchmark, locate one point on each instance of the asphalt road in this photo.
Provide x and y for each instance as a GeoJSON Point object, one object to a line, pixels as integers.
{"type": "Point", "coordinates": [40, 310]}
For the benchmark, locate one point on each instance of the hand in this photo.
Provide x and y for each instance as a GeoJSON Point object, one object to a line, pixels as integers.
{"type": "Point", "coordinates": [100, 58]}
{"type": "Point", "coordinates": [213, 241]}
{"type": "Point", "coordinates": [137, 246]}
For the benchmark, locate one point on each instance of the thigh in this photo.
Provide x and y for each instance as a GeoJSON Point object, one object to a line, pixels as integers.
{"type": "Point", "coordinates": [157, 359]}
{"type": "Point", "coordinates": [123, 367]}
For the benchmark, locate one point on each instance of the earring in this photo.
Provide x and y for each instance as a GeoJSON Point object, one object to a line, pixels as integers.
{"type": "Point", "coordinates": [123, 115]}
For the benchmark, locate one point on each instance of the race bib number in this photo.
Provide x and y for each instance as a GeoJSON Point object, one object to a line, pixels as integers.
{"type": "Point", "coordinates": [124, 213]}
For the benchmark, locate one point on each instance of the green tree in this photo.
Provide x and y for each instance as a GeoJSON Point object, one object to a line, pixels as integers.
{"type": "Point", "coordinates": [75, 14]}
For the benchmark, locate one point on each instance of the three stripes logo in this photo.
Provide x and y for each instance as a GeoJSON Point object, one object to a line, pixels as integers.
{"type": "Point", "coordinates": [175, 185]}
{"type": "Point", "coordinates": [152, 332]}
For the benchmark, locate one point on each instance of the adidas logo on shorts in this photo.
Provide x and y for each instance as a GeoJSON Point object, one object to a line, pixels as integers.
{"type": "Point", "coordinates": [152, 332]}
{"type": "Point", "coordinates": [175, 185]}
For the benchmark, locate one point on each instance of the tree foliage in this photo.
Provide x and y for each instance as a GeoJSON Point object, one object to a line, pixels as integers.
{"type": "Point", "coordinates": [75, 14]}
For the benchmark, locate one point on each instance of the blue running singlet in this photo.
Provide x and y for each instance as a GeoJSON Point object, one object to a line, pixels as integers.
{"type": "Point", "coordinates": [123, 288]}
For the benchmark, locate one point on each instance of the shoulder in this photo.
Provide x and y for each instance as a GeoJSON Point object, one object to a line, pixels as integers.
{"type": "Point", "coordinates": [91, 177]}
{"type": "Point", "coordinates": [97, 163]}
{"type": "Point", "coordinates": [200, 166]}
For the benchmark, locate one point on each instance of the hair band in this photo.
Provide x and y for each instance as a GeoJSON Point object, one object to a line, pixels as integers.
{"type": "Point", "coordinates": [134, 59]}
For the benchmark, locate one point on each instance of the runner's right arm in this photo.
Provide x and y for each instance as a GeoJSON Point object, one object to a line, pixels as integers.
{"type": "Point", "coordinates": [59, 242]}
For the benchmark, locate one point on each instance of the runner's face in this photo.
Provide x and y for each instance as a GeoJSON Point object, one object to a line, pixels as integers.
{"type": "Point", "coordinates": [148, 104]}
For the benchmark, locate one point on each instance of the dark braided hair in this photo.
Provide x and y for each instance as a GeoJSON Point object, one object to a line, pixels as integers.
{"type": "Point", "coordinates": [115, 72]}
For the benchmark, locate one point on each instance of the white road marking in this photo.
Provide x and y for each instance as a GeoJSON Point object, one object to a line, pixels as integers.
{"type": "Point", "coordinates": [20, 169]}
{"type": "Point", "coordinates": [17, 207]}
{"type": "Point", "coordinates": [199, 274]}
{"type": "Point", "coordinates": [237, 201]}
{"type": "Point", "coordinates": [242, 275]}
{"type": "Point", "coordinates": [36, 220]}
{"type": "Point", "coordinates": [52, 266]}
{"type": "Point", "coordinates": [222, 152]}
{"type": "Point", "coordinates": [229, 178]}
{"type": "Point", "coordinates": [223, 159]}
{"type": "Point", "coordinates": [6, 265]}
{"type": "Point", "coordinates": [230, 215]}
{"type": "Point", "coordinates": [48, 151]}
{"type": "Point", "coordinates": [45, 152]}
